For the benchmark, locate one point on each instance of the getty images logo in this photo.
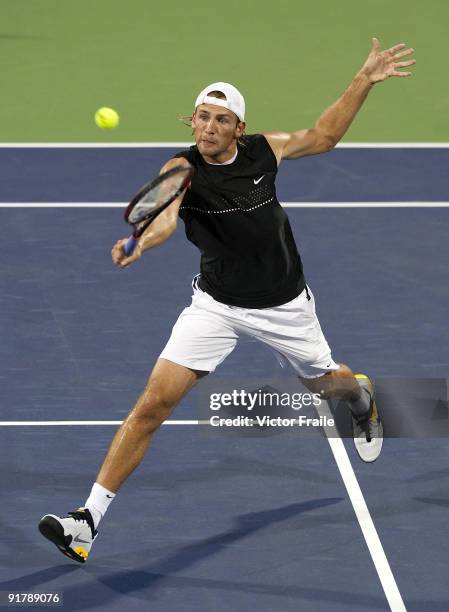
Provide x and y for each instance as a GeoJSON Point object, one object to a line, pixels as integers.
{"type": "Point", "coordinates": [249, 400]}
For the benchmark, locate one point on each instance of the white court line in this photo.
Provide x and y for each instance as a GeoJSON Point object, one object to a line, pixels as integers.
{"type": "Point", "coordinates": [64, 205]}
{"type": "Point", "coordinates": [393, 145]}
{"type": "Point", "coordinates": [166, 145]}
{"type": "Point", "coordinates": [365, 204]}
{"type": "Point", "coordinates": [94, 145]}
{"type": "Point", "coordinates": [74, 423]}
{"type": "Point", "coordinates": [366, 523]}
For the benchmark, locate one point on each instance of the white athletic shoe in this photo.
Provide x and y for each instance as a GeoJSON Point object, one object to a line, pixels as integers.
{"type": "Point", "coordinates": [368, 433]}
{"type": "Point", "coordinates": [73, 534]}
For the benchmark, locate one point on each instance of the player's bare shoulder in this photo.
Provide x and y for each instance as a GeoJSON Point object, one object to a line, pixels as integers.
{"type": "Point", "coordinates": [277, 142]}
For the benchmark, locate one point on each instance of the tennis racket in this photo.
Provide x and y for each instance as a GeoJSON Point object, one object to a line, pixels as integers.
{"type": "Point", "coordinates": [152, 199]}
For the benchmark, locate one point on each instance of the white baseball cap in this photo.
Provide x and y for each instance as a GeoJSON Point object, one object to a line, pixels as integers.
{"type": "Point", "coordinates": [234, 102]}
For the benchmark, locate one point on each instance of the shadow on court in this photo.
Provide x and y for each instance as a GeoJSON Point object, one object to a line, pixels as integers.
{"type": "Point", "coordinates": [100, 588]}
{"type": "Point", "coordinates": [97, 587]}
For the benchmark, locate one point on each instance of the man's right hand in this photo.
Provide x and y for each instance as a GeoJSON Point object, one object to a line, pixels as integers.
{"type": "Point", "coordinates": [119, 257]}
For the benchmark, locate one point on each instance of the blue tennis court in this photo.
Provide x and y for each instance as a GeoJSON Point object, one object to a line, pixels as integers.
{"type": "Point", "coordinates": [233, 522]}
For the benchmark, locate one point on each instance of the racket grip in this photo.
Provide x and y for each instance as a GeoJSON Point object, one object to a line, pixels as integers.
{"type": "Point", "coordinates": [129, 246]}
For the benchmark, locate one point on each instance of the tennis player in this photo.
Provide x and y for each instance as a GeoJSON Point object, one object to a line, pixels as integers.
{"type": "Point", "coordinates": [251, 280]}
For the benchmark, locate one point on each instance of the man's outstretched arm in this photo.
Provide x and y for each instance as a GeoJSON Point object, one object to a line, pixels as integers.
{"type": "Point", "coordinates": [334, 122]}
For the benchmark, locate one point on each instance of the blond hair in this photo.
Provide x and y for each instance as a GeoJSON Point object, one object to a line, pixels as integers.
{"type": "Point", "coordinates": [187, 119]}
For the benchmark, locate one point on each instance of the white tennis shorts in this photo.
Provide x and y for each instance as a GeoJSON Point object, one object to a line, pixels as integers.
{"type": "Point", "coordinates": [207, 331]}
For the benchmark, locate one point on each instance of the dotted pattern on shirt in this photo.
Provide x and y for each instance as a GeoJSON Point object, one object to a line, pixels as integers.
{"type": "Point", "coordinates": [244, 203]}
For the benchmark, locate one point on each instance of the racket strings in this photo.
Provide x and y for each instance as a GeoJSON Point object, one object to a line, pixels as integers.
{"type": "Point", "coordinates": [157, 196]}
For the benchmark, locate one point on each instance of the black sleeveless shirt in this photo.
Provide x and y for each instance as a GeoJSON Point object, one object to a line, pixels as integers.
{"type": "Point", "coordinates": [231, 213]}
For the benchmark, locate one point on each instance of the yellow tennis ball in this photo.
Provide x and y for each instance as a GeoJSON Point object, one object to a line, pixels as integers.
{"type": "Point", "coordinates": [106, 118]}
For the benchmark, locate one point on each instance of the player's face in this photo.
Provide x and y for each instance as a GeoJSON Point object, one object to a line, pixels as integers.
{"type": "Point", "coordinates": [216, 131]}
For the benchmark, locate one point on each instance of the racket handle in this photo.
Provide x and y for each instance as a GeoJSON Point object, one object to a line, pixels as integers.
{"type": "Point", "coordinates": [129, 246]}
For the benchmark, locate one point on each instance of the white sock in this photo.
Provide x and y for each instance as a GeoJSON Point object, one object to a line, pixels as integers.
{"type": "Point", "coordinates": [98, 502]}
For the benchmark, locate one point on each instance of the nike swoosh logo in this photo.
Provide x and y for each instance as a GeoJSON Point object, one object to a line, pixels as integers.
{"type": "Point", "coordinates": [81, 541]}
{"type": "Point", "coordinates": [110, 496]}
{"type": "Point", "coordinates": [258, 180]}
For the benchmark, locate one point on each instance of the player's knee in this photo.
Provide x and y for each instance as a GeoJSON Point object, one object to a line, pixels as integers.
{"type": "Point", "coordinates": [336, 384]}
{"type": "Point", "coordinates": [153, 407]}
{"type": "Point", "coordinates": [343, 372]}
{"type": "Point", "coordinates": [342, 383]}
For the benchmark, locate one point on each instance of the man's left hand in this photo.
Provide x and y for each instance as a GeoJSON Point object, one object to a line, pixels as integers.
{"type": "Point", "coordinates": [381, 65]}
